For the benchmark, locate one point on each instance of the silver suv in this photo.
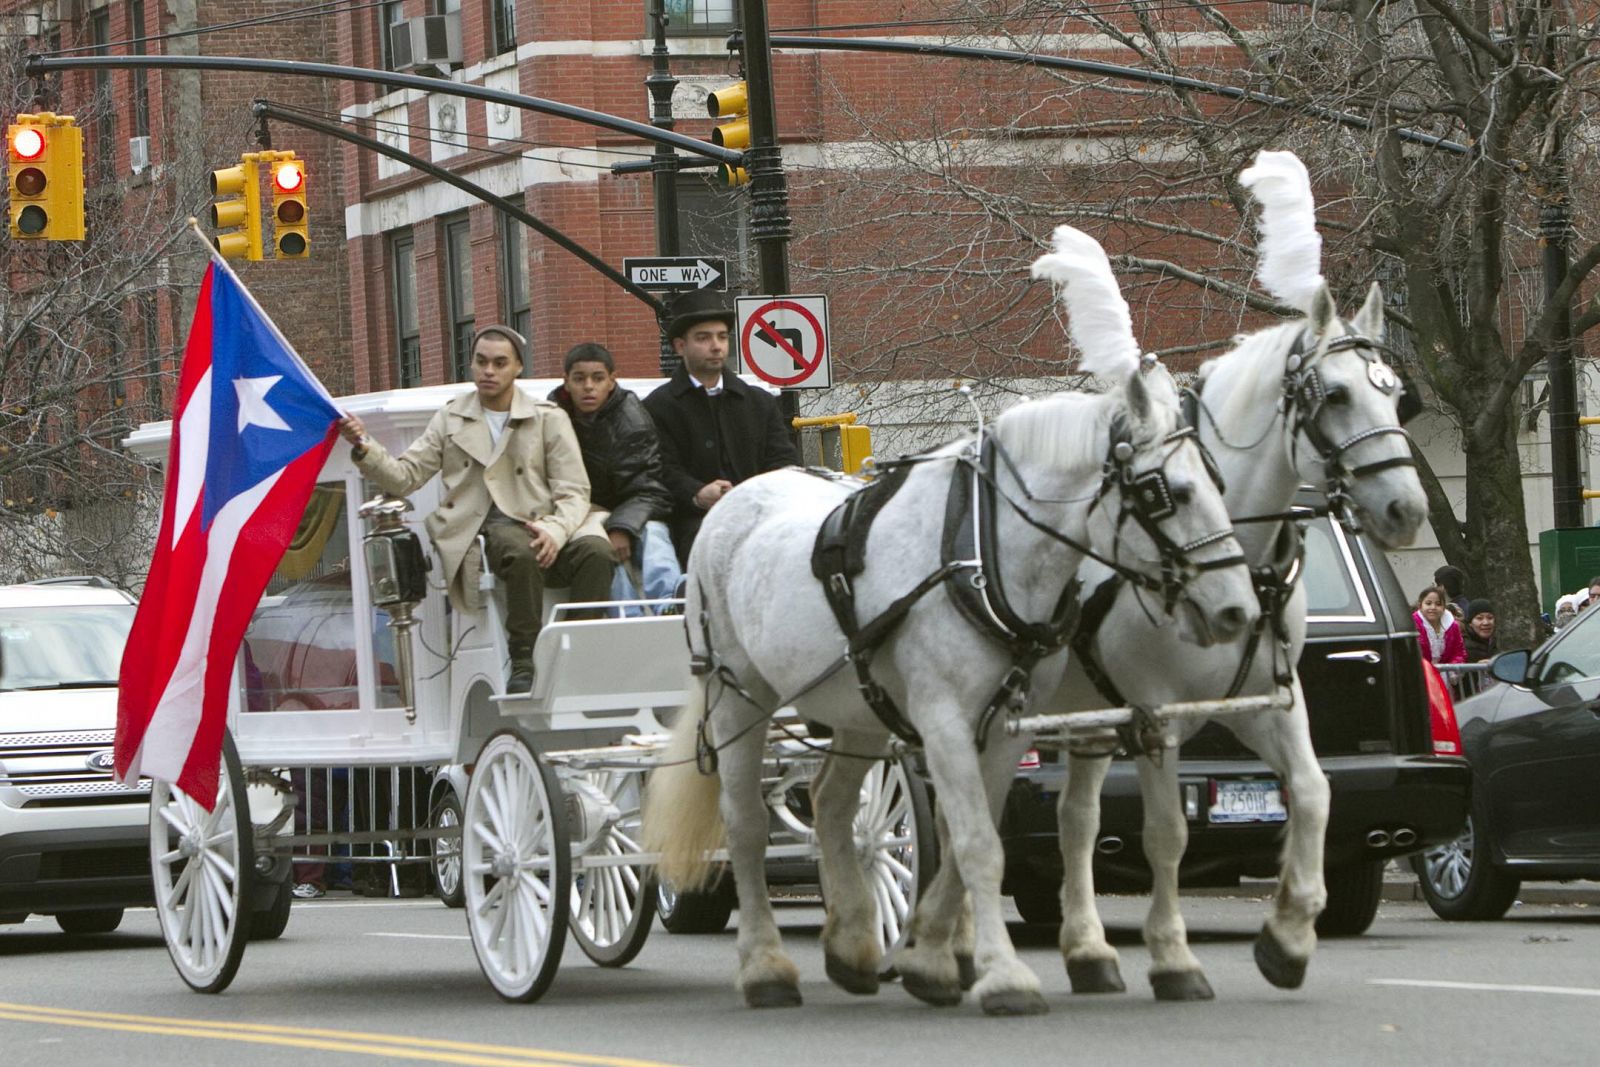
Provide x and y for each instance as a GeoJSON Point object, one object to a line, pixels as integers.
{"type": "Point", "coordinates": [73, 842]}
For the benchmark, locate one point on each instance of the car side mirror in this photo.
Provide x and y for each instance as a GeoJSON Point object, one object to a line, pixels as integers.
{"type": "Point", "coordinates": [1511, 666]}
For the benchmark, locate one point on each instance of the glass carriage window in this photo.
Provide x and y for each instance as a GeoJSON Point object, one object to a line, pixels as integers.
{"type": "Point", "coordinates": [300, 650]}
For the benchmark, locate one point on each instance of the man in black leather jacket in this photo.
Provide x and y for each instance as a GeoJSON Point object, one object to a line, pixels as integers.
{"type": "Point", "coordinates": [622, 456]}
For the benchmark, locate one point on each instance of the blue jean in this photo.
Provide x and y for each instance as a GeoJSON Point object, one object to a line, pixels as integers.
{"type": "Point", "coordinates": [658, 565]}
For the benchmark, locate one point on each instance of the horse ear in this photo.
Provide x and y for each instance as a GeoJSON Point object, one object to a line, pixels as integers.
{"type": "Point", "coordinates": [1369, 320]}
{"type": "Point", "coordinates": [1322, 313]}
{"type": "Point", "coordinates": [1138, 398]}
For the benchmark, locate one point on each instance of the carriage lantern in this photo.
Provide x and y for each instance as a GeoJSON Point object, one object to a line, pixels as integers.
{"type": "Point", "coordinates": [396, 577]}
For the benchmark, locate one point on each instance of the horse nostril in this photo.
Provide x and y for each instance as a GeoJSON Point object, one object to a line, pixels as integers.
{"type": "Point", "coordinates": [1232, 621]}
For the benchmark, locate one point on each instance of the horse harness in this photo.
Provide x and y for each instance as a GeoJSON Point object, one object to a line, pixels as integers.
{"type": "Point", "coordinates": [969, 551]}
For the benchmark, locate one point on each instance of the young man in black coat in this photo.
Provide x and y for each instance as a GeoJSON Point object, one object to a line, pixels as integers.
{"type": "Point", "coordinates": [623, 460]}
{"type": "Point", "coordinates": [716, 431]}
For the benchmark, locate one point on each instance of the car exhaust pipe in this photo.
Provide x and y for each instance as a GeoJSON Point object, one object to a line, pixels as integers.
{"type": "Point", "coordinates": [1377, 838]}
{"type": "Point", "coordinates": [1109, 846]}
{"type": "Point", "coordinates": [1404, 836]}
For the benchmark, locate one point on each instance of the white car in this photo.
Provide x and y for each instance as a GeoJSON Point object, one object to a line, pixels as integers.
{"type": "Point", "coordinates": [73, 842]}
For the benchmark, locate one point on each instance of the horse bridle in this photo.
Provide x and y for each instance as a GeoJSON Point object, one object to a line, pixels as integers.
{"type": "Point", "coordinates": [1147, 499]}
{"type": "Point", "coordinates": [1305, 395]}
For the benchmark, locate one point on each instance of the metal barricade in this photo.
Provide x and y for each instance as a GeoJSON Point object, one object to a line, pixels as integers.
{"type": "Point", "coordinates": [1465, 679]}
{"type": "Point", "coordinates": [361, 816]}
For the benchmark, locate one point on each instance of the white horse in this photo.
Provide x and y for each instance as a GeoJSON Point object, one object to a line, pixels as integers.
{"type": "Point", "coordinates": [1110, 474]}
{"type": "Point", "coordinates": [1308, 401]}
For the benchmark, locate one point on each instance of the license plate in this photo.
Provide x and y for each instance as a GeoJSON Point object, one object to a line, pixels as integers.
{"type": "Point", "coordinates": [1259, 801]}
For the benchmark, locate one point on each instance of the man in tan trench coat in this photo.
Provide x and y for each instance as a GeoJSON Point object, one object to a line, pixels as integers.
{"type": "Point", "coordinates": [510, 468]}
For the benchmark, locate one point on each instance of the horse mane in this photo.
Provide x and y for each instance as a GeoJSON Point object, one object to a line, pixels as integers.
{"type": "Point", "coordinates": [1256, 367]}
{"type": "Point", "coordinates": [1072, 429]}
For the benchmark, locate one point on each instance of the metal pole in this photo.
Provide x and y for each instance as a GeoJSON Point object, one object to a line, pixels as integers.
{"type": "Point", "coordinates": [769, 193]}
{"type": "Point", "coordinates": [1555, 226]}
{"type": "Point", "coordinates": [664, 165]}
{"type": "Point", "coordinates": [266, 109]}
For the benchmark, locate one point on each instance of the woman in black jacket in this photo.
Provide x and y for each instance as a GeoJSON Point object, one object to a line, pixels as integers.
{"type": "Point", "coordinates": [622, 456]}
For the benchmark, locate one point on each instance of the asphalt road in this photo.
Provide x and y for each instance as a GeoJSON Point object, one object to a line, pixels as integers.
{"type": "Point", "coordinates": [362, 981]}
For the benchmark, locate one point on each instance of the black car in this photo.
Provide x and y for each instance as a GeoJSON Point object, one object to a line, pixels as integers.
{"type": "Point", "coordinates": [1533, 739]}
{"type": "Point", "coordinates": [1396, 788]}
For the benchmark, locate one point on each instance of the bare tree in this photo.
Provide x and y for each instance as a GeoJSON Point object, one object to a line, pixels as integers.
{"type": "Point", "coordinates": [86, 353]}
{"type": "Point", "coordinates": [949, 195]}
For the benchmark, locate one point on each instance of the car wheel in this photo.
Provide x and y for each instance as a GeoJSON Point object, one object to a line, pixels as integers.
{"type": "Point", "coordinates": [1038, 901]}
{"type": "Point", "coordinates": [447, 851]}
{"type": "Point", "coordinates": [704, 911]}
{"type": "Point", "coordinates": [95, 921]}
{"type": "Point", "coordinates": [1460, 882]}
{"type": "Point", "coordinates": [269, 923]}
{"type": "Point", "coordinates": [1354, 890]}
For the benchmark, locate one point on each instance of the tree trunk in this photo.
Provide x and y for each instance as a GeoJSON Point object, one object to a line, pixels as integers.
{"type": "Point", "coordinates": [1497, 517]}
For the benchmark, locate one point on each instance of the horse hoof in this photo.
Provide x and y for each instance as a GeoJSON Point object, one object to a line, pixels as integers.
{"type": "Point", "coordinates": [1095, 976]}
{"type": "Point", "coordinates": [771, 994]}
{"type": "Point", "coordinates": [1275, 963]}
{"type": "Point", "coordinates": [847, 978]}
{"type": "Point", "coordinates": [967, 968]}
{"type": "Point", "coordinates": [929, 991]}
{"type": "Point", "coordinates": [889, 974]}
{"type": "Point", "coordinates": [1015, 1002]}
{"type": "Point", "coordinates": [1181, 985]}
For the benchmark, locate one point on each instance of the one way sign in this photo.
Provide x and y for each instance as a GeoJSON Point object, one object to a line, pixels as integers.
{"type": "Point", "coordinates": [677, 274]}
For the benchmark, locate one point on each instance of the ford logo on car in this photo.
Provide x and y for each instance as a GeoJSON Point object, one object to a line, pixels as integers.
{"type": "Point", "coordinates": [104, 760]}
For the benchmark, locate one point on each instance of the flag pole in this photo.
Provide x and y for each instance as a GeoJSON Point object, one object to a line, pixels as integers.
{"type": "Point", "coordinates": [217, 260]}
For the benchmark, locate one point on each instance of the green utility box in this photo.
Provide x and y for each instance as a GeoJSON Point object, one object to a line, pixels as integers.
{"type": "Point", "coordinates": [1567, 560]}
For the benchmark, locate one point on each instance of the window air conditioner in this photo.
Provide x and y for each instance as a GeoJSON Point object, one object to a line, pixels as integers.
{"type": "Point", "coordinates": [429, 41]}
{"type": "Point", "coordinates": [138, 154]}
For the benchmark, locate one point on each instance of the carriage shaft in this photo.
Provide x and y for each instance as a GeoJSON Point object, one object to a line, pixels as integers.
{"type": "Point", "coordinates": [1066, 724]}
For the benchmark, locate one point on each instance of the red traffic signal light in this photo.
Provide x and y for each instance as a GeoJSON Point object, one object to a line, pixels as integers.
{"type": "Point", "coordinates": [291, 238]}
{"type": "Point", "coordinates": [288, 177]}
{"type": "Point", "coordinates": [27, 142]}
{"type": "Point", "coordinates": [44, 163]}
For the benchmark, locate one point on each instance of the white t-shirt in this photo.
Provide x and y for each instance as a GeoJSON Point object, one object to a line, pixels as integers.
{"type": "Point", "coordinates": [497, 424]}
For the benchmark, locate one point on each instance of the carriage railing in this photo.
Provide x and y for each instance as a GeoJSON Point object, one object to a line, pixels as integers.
{"type": "Point", "coordinates": [1465, 679]}
{"type": "Point", "coordinates": [356, 814]}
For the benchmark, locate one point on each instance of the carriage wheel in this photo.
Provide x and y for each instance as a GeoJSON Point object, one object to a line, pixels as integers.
{"type": "Point", "coordinates": [896, 841]}
{"type": "Point", "coordinates": [202, 864]}
{"type": "Point", "coordinates": [612, 905]}
{"type": "Point", "coordinates": [515, 867]}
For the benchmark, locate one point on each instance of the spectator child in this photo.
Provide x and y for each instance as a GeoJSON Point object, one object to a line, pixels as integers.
{"type": "Point", "coordinates": [1437, 629]}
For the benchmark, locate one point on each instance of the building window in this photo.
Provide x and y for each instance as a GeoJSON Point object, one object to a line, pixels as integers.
{"type": "Point", "coordinates": [458, 266]}
{"type": "Point", "coordinates": [105, 116]}
{"type": "Point", "coordinates": [503, 16]}
{"type": "Point", "coordinates": [689, 17]}
{"type": "Point", "coordinates": [514, 277]}
{"type": "Point", "coordinates": [141, 81]}
{"type": "Point", "coordinates": [389, 15]}
{"type": "Point", "coordinates": [408, 338]}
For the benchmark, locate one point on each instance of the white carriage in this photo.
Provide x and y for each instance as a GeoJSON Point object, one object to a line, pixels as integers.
{"type": "Point", "coordinates": [354, 715]}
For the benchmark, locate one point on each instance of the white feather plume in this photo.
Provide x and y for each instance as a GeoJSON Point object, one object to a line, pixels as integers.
{"type": "Point", "coordinates": [1289, 254]}
{"type": "Point", "coordinates": [1097, 315]}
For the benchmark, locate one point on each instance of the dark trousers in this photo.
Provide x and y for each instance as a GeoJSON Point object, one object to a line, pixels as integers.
{"type": "Point", "coordinates": [583, 565]}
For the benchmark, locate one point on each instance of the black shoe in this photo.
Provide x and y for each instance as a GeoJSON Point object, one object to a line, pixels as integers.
{"type": "Point", "coordinates": [521, 680]}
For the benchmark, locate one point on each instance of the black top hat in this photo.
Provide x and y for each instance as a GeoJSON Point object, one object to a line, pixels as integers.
{"type": "Point", "coordinates": [698, 306]}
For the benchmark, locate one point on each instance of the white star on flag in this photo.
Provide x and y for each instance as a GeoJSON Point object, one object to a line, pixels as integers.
{"type": "Point", "coordinates": [253, 407]}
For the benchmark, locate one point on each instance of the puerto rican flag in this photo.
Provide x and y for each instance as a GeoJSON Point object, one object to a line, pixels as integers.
{"type": "Point", "coordinates": [250, 431]}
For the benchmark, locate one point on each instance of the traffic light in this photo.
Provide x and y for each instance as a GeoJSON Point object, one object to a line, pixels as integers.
{"type": "Point", "coordinates": [44, 162]}
{"type": "Point", "coordinates": [290, 234]}
{"type": "Point", "coordinates": [732, 103]}
{"type": "Point", "coordinates": [241, 215]}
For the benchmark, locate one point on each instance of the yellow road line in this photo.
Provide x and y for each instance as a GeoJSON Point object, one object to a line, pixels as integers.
{"type": "Point", "coordinates": [412, 1048]}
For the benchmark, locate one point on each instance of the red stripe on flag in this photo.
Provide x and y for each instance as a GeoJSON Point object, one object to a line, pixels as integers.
{"type": "Point", "coordinates": [261, 544]}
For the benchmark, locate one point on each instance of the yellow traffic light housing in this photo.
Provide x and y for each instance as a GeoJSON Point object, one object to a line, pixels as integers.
{"type": "Point", "coordinates": [44, 165]}
{"type": "Point", "coordinates": [732, 176]}
{"type": "Point", "coordinates": [731, 103]}
{"type": "Point", "coordinates": [291, 237]}
{"type": "Point", "coordinates": [240, 215]}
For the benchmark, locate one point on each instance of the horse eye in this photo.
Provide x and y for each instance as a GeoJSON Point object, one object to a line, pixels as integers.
{"type": "Point", "coordinates": [1339, 394]}
{"type": "Point", "coordinates": [1182, 494]}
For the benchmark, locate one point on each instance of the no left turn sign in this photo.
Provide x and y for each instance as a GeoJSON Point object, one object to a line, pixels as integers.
{"type": "Point", "coordinates": [783, 340]}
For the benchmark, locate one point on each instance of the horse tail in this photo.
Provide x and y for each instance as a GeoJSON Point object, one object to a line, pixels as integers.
{"type": "Point", "coordinates": [681, 818]}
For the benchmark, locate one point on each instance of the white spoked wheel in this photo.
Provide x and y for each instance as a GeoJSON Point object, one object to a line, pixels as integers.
{"type": "Point", "coordinates": [515, 867]}
{"type": "Point", "coordinates": [202, 866]}
{"type": "Point", "coordinates": [895, 841]}
{"type": "Point", "coordinates": [613, 900]}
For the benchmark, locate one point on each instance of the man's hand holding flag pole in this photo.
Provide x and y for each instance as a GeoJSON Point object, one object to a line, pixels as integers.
{"type": "Point", "coordinates": [251, 429]}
